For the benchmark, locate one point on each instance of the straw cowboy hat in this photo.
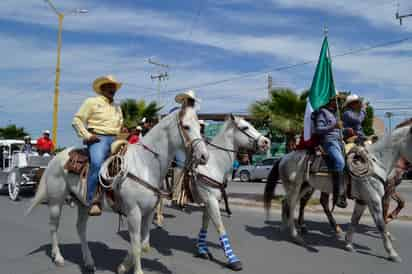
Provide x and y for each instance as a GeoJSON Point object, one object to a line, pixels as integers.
{"type": "Point", "coordinates": [108, 79]}
{"type": "Point", "coordinates": [351, 98]}
{"type": "Point", "coordinates": [181, 97]}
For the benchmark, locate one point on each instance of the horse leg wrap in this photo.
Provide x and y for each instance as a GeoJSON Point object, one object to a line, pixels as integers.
{"type": "Point", "coordinates": [201, 243]}
{"type": "Point", "coordinates": [224, 241]}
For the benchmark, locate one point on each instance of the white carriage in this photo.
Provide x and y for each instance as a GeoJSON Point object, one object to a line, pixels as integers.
{"type": "Point", "coordinates": [20, 169]}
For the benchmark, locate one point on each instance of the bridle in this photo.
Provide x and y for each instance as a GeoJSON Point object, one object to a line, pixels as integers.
{"type": "Point", "coordinates": [189, 145]}
{"type": "Point", "coordinates": [251, 139]}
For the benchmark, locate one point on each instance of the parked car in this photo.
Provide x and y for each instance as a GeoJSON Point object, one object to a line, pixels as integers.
{"type": "Point", "coordinates": [256, 172]}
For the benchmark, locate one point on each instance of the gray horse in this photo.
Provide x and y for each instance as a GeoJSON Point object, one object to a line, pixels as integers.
{"type": "Point", "coordinates": [236, 134]}
{"type": "Point", "coordinates": [148, 162]}
{"type": "Point", "coordinates": [369, 191]}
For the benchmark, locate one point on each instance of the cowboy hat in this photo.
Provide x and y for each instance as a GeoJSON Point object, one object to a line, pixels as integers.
{"type": "Point", "coordinates": [108, 79]}
{"type": "Point", "coordinates": [139, 128]}
{"type": "Point", "coordinates": [351, 98]}
{"type": "Point", "coordinates": [181, 97]}
{"type": "Point", "coordinates": [46, 131]}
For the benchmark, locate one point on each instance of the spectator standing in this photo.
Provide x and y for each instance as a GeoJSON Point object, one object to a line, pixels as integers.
{"type": "Point", "coordinates": [135, 134]}
{"type": "Point", "coordinates": [44, 144]}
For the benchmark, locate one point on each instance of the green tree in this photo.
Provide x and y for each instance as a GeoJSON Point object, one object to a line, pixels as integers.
{"type": "Point", "coordinates": [368, 122]}
{"type": "Point", "coordinates": [135, 110]}
{"type": "Point", "coordinates": [282, 113]}
{"type": "Point", "coordinates": [12, 132]}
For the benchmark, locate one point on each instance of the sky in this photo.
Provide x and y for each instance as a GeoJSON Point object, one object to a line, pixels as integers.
{"type": "Point", "coordinates": [203, 42]}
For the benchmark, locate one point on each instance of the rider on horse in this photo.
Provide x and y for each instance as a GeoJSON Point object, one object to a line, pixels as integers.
{"type": "Point", "coordinates": [187, 98]}
{"type": "Point", "coordinates": [328, 127]}
{"type": "Point", "coordinates": [353, 117]}
{"type": "Point", "coordinates": [98, 122]}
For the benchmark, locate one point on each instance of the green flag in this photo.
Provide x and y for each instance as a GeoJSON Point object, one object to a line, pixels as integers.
{"type": "Point", "coordinates": [322, 89]}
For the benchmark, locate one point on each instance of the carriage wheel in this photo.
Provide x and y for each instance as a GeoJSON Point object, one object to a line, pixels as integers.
{"type": "Point", "coordinates": [13, 181]}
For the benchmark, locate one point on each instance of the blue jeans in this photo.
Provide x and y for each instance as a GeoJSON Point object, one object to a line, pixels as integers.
{"type": "Point", "coordinates": [336, 162]}
{"type": "Point", "coordinates": [98, 153]}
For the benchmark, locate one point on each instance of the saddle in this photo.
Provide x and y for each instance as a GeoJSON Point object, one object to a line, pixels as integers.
{"type": "Point", "coordinates": [78, 163]}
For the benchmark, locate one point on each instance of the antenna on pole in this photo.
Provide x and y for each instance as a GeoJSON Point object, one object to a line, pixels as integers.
{"type": "Point", "coordinates": [399, 16]}
{"type": "Point", "coordinates": [162, 75]}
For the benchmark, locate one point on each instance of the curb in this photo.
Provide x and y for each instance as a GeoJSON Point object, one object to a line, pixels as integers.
{"type": "Point", "coordinates": [255, 202]}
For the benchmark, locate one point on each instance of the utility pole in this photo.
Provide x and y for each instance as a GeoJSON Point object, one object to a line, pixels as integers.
{"type": "Point", "coordinates": [162, 75]}
{"type": "Point", "coordinates": [270, 82]}
{"type": "Point", "coordinates": [400, 17]}
{"type": "Point", "coordinates": [389, 115]}
{"type": "Point", "coordinates": [60, 16]}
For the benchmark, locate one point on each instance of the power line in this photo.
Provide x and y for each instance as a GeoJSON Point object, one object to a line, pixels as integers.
{"type": "Point", "coordinates": [290, 66]}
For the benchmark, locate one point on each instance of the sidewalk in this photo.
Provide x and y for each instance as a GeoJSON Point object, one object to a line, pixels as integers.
{"type": "Point", "coordinates": [251, 195]}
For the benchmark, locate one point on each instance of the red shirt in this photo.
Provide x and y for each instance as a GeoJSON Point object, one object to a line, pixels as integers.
{"type": "Point", "coordinates": [45, 144]}
{"type": "Point", "coordinates": [134, 139]}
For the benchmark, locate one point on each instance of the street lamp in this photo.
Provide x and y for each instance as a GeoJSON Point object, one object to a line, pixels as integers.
{"type": "Point", "coordinates": [60, 15]}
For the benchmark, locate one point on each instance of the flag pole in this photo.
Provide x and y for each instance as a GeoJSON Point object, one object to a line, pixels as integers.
{"type": "Point", "coordinates": [338, 113]}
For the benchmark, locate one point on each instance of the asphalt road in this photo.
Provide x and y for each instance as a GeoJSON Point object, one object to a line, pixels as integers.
{"type": "Point", "coordinates": [237, 187]}
{"type": "Point", "coordinates": [25, 247]}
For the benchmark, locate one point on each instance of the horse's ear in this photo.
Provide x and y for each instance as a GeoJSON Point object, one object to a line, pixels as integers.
{"type": "Point", "coordinates": [232, 117]}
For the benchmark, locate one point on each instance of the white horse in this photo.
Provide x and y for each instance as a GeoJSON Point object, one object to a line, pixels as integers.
{"type": "Point", "coordinates": [236, 134]}
{"type": "Point", "coordinates": [147, 162]}
{"type": "Point", "coordinates": [368, 191]}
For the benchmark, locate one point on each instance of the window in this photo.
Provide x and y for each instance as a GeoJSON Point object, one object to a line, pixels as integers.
{"type": "Point", "coordinates": [268, 162]}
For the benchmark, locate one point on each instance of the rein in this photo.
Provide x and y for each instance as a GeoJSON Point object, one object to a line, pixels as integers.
{"type": "Point", "coordinates": [218, 185]}
{"type": "Point", "coordinates": [123, 172]}
{"type": "Point", "coordinates": [250, 137]}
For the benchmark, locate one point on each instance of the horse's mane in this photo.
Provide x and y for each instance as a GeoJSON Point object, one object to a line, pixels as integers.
{"type": "Point", "coordinates": [393, 139]}
{"type": "Point", "coordinates": [405, 123]}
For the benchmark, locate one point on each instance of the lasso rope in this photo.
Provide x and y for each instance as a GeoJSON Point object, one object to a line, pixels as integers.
{"type": "Point", "coordinates": [114, 168]}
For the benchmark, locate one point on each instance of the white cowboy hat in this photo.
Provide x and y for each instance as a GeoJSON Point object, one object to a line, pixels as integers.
{"type": "Point", "coordinates": [139, 128]}
{"type": "Point", "coordinates": [108, 79]}
{"type": "Point", "coordinates": [46, 131]}
{"type": "Point", "coordinates": [351, 98]}
{"type": "Point", "coordinates": [181, 97]}
{"type": "Point", "coordinates": [143, 120]}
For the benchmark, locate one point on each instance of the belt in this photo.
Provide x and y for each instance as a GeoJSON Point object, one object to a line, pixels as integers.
{"type": "Point", "coordinates": [93, 131]}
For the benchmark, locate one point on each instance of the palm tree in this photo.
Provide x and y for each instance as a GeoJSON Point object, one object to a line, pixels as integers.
{"type": "Point", "coordinates": [282, 112]}
{"type": "Point", "coordinates": [12, 132]}
{"type": "Point", "coordinates": [135, 110]}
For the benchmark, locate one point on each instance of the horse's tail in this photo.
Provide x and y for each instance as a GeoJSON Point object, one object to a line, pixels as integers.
{"type": "Point", "coordinates": [271, 183]}
{"type": "Point", "coordinates": [41, 193]}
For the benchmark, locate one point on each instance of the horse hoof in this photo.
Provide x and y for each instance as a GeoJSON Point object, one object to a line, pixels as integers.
{"type": "Point", "coordinates": [146, 248]}
{"type": "Point", "coordinates": [59, 261]}
{"type": "Point", "coordinates": [349, 247]}
{"type": "Point", "coordinates": [395, 259]}
{"type": "Point", "coordinates": [235, 266]}
{"type": "Point", "coordinates": [121, 269]}
{"type": "Point", "coordinates": [89, 269]}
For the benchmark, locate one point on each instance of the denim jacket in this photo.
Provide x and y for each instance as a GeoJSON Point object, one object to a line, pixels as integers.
{"type": "Point", "coordinates": [325, 125]}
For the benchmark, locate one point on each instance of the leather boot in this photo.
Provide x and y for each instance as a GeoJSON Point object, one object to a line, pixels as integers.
{"type": "Point", "coordinates": [96, 207]}
{"type": "Point", "coordinates": [339, 193]}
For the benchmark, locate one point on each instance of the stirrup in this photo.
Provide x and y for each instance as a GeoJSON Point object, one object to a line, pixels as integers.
{"type": "Point", "coordinates": [95, 210]}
